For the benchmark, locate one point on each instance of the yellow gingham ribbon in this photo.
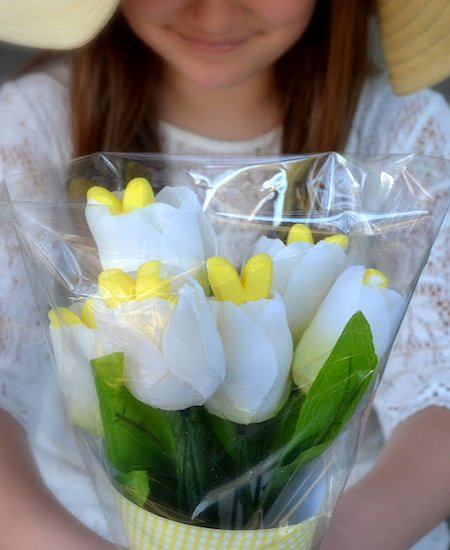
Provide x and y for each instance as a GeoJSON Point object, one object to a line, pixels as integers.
{"type": "Point", "coordinates": [147, 531]}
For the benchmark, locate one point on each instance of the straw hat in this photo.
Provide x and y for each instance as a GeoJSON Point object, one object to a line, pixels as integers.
{"type": "Point", "coordinates": [415, 33]}
{"type": "Point", "coordinates": [53, 24]}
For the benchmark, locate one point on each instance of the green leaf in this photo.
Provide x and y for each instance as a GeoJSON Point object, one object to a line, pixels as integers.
{"type": "Point", "coordinates": [135, 486]}
{"type": "Point", "coordinates": [339, 384]}
{"type": "Point", "coordinates": [331, 401]}
{"type": "Point", "coordinates": [225, 432]}
{"type": "Point", "coordinates": [137, 436]}
{"type": "Point", "coordinates": [201, 460]}
{"type": "Point", "coordinates": [282, 426]}
{"type": "Point", "coordinates": [261, 439]}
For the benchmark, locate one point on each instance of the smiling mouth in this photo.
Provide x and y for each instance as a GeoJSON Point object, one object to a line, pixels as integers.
{"type": "Point", "coordinates": [203, 45]}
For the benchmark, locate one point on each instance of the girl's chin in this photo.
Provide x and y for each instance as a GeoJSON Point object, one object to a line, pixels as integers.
{"type": "Point", "coordinates": [213, 76]}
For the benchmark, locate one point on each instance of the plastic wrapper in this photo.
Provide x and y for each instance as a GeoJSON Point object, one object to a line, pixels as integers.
{"type": "Point", "coordinates": [220, 326]}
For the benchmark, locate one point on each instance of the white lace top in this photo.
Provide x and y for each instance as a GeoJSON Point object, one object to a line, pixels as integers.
{"type": "Point", "coordinates": [35, 129]}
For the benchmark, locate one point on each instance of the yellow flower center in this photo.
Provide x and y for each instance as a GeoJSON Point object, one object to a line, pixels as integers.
{"type": "Point", "coordinates": [87, 314]}
{"type": "Point", "coordinates": [63, 315]}
{"type": "Point", "coordinates": [105, 197]}
{"type": "Point", "coordinates": [138, 194]}
{"type": "Point", "coordinates": [150, 284]}
{"type": "Point", "coordinates": [341, 240]}
{"type": "Point", "coordinates": [117, 287]}
{"type": "Point", "coordinates": [254, 284]}
{"type": "Point", "coordinates": [373, 277]}
{"type": "Point", "coordinates": [299, 232]}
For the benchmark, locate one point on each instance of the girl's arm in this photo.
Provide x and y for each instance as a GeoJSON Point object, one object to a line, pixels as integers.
{"type": "Point", "coordinates": [30, 517]}
{"type": "Point", "coordinates": [406, 493]}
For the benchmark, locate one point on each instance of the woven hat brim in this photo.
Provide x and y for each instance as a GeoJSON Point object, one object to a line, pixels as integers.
{"type": "Point", "coordinates": [57, 25]}
{"type": "Point", "coordinates": [415, 35]}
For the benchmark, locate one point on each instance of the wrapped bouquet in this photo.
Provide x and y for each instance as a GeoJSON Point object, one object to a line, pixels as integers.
{"type": "Point", "coordinates": [219, 328]}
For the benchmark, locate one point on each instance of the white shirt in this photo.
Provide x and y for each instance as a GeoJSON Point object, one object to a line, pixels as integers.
{"type": "Point", "coordinates": [35, 131]}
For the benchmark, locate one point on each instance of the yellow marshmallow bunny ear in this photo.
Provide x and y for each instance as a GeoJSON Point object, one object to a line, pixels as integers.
{"type": "Point", "coordinates": [254, 283]}
{"type": "Point", "coordinates": [137, 194]}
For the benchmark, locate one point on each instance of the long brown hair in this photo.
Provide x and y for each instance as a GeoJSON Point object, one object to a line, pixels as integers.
{"type": "Point", "coordinates": [115, 82]}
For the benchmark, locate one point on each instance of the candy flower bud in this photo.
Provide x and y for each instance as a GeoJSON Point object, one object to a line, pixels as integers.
{"type": "Point", "coordinates": [73, 339]}
{"type": "Point", "coordinates": [254, 283]}
{"type": "Point", "coordinates": [356, 289]}
{"type": "Point", "coordinates": [256, 338]}
{"type": "Point", "coordinates": [134, 226]}
{"type": "Point", "coordinates": [303, 272]}
{"type": "Point", "coordinates": [173, 354]}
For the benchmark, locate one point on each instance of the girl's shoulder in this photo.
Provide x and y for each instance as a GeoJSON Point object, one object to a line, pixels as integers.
{"type": "Point", "coordinates": [35, 118]}
{"type": "Point", "coordinates": [387, 123]}
{"type": "Point", "coordinates": [47, 81]}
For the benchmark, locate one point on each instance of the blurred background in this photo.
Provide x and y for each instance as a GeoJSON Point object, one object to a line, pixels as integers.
{"type": "Point", "coordinates": [13, 58]}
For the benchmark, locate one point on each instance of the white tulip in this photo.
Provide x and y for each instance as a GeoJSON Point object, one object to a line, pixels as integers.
{"type": "Point", "coordinates": [174, 356]}
{"type": "Point", "coordinates": [258, 350]}
{"type": "Point", "coordinates": [133, 226]}
{"type": "Point", "coordinates": [302, 274]}
{"type": "Point", "coordinates": [356, 289]}
{"type": "Point", "coordinates": [256, 338]}
{"type": "Point", "coordinates": [74, 345]}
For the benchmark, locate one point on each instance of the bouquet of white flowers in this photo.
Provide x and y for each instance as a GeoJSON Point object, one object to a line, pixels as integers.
{"type": "Point", "coordinates": [219, 328]}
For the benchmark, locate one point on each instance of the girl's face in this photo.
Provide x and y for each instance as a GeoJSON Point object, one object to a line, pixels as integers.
{"type": "Point", "coordinates": [218, 44]}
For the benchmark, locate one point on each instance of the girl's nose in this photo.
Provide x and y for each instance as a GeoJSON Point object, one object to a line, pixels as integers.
{"type": "Point", "coordinates": [214, 16]}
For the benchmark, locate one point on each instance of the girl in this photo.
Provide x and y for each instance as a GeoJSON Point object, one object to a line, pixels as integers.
{"type": "Point", "coordinates": [220, 77]}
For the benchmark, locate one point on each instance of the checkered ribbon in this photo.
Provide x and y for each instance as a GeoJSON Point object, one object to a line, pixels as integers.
{"type": "Point", "coordinates": [147, 531]}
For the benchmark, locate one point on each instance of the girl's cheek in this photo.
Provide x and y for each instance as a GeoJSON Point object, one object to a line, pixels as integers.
{"type": "Point", "coordinates": [153, 11]}
{"type": "Point", "coordinates": [161, 11]}
{"type": "Point", "coordinates": [281, 11]}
